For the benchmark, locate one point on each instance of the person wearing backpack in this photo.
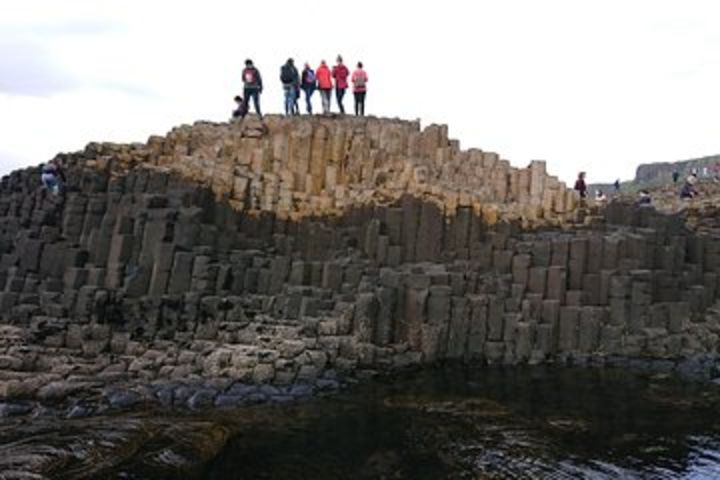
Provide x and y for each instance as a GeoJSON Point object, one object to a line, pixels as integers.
{"type": "Point", "coordinates": [252, 83]}
{"type": "Point", "coordinates": [324, 83]}
{"type": "Point", "coordinates": [359, 80]}
{"type": "Point", "coordinates": [340, 73]}
{"type": "Point", "coordinates": [290, 80]}
{"type": "Point", "coordinates": [308, 83]}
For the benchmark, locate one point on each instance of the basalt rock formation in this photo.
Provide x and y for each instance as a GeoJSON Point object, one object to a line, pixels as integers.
{"type": "Point", "coordinates": [233, 263]}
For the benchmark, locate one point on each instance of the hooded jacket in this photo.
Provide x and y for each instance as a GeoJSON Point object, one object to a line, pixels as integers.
{"type": "Point", "coordinates": [324, 77]}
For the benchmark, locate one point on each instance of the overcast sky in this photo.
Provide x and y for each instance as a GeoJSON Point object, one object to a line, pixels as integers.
{"type": "Point", "coordinates": [595, 85]}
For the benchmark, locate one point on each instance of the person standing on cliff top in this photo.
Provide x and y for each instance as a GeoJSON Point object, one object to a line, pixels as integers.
{"type": "Point", "coordinates": [359, 80]}
{"type": "Point", "coordinates": [324, 83]}
{"type": "Point", "coordinates": [252, 83]}
{"type": "Point", "coordinates": [580, 186]}
{"type": "Point", "coordinates": [308, 83]}
{"type": "Point", "coordinates": [290, 80]}
{"type": "Point", "coordinates": [340, 73]}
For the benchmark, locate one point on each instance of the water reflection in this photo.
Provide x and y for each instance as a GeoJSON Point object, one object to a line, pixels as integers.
{"type": "Point", "coordinates": [490, 423]}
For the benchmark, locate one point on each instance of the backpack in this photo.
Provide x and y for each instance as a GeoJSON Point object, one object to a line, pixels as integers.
{"type": "Point", "coordinates": [309, 77]}
{"type": "Point", "coordinates": [286, 74]}
{"type": "Point", "coordinates": [360, 80]}
{"type": "Point", "coordinates": [249, 76]}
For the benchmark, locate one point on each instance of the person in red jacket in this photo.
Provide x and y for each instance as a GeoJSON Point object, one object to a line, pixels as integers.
{"type": "Point", "coordinates": [340, 73]}
{"type": "Point", "coordinates": [359, 80]}
{"type": "Point", "coordinates": [324, 83]}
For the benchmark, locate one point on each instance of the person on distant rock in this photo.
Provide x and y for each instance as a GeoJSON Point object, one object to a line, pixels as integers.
{"type": "Point", "coordinates": [308, 83]}
{"type": "Point", "coordinates": [253, 87]}
{"type": "Point", "coordinates": [692, 178]}
{"type": "Point", "coordinates": [291, 80]}
{"type": "Point", "coordinates": [340, 73]}
{"type": "Point", "coordinates": [359, 80]}
{"type": "Point", "coordinates": [52, 177]}
{"type": "Point", "coordinates": [580, 186]}
{"type": "Point", "coordinates": [617, 186]}
{"type": "Point", "coordinates": [675, 176]}
{"type": "Point", "coordinates": [241, 109]}
{"type": "Point", "coordinates": [688, 190]}
{"type": "Point", "coordinates": [644, 198]}
{"type": "Point", "coordinates": [600, 197]}
{"type": "Point", "coordinates": [324, 83]}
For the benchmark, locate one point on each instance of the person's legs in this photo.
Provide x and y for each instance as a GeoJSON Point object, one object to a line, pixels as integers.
{"type": "Point", "coordinates": [256, 101]}
{"type": "Point", "coordinates": [288, 99]}
{"type": "Point", "coordinates": [339, 94]}
{"type": "Point", "coordinates": [308, 103]}
{"type": "Point", "coordinates": [325, 94]}
{"type": "Point", "coordinates": [362, 103]}
{"type": "Point", "coordinates": [357, 103]}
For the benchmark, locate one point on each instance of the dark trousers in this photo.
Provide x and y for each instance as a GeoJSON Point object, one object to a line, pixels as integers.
{"type": "Point", "coordinates": [308, 95]}
{"type": "Point", "coordinates": [339, 94]}
{"type": "Point", "coordinates": [360, 103]}
{"type": "Point", "coordinates": [255, 95]}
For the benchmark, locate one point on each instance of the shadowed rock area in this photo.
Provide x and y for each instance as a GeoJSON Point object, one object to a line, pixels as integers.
{"type": "Point", "coordinates": [232, 264]}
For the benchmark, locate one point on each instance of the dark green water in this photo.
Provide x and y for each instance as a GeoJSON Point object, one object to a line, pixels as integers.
{"type": "Point", "coordinates": [490, 423]}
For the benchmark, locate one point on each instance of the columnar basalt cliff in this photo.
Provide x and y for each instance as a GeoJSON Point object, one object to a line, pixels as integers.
{"type": "Point", "coordinates": [231, 263]}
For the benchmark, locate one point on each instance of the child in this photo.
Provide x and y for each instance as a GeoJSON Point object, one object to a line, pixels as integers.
{"type": "Point", "coordinates": [242, 108]}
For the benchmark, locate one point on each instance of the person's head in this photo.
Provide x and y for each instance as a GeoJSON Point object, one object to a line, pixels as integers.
{"type": "Point", "coordinates": [248, 63]}
{"type": "Point", "coordinates": [339, 59]}
{"type": "Point", "coordinates": [360, 65]}
{"type": "Point", "coordinates": [581, 175]}
{"type": "Point", "coordinates": [322, 62]}
{"type": "Point", "coordinates": [306, 66]}
{"type": "Point", "coordinates": [238, 99]}
{"type": "Point", "coordinates": [290, 61]}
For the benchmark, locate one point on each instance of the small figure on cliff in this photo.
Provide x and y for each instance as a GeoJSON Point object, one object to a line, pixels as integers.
{"type": "Point", "coordinates": [580, 186]}
{"type": "Point", "coordinates": [340, 73]}
{"type": "Point", "coordinates": [241, 109]}
{"type": "Point", "coordinates": [600, 197]}
{"type": "Point", "coordinates": [644, 198]}
{"type": "Point", "coordinates": [675, 176]}
{"type": "Point", "coordinates": [291, 81]}
{"type": "Point", "coordinates": [52, 177]}
{"type": "Point", "coordinates": [617, 186]}
{"type": "Point", "coordinates": [308, 83]}
{"type": "Point", "coordinates": [359, 80]}
{"type": "Point", "coordinates": [324, 81]}
{"type": "Point", "coordinates": [253, 87]}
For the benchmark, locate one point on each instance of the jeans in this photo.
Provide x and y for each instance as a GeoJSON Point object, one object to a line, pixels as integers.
{"type": "Point", "coordinates": [325, 96]}
{"type": "Point", "coordinates": [339, 94]}
{"type": "Point", "coordinates": [289, 99]}
{"type": "Point", "coordinates": [308, 95]}
{"type": "Point", "coordinates": [51, 182]}
{"type": "Point", "coordinates": [255, 95]}
{"type": "Point", "coordinates": [360, 103]}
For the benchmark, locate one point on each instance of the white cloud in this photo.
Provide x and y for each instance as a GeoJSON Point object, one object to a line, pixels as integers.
{"type": "Point", "coordinates": [595, 86]}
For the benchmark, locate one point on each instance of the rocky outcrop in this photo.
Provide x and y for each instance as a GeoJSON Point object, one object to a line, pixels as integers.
{"type": "Point", "coordinates": [229, 264]}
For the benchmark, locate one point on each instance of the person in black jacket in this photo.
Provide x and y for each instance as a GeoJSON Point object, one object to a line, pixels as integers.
{"type": "Point", "coordinates": [291, 83]}
{"type": "Point", "coordinates": [252, 83]}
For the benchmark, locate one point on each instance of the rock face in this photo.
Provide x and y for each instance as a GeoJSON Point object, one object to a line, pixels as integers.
{"type": "Point", "coordinates": [232, 256]}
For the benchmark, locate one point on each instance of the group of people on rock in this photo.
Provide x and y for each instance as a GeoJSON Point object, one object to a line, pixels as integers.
{"type": "Point", "coordinates": [323, 79]}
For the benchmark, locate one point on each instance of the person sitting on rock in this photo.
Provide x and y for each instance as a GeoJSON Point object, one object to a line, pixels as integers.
{"type": "Point", "coordinates": [644, 198]}
{"type": "Point", "coordinates": [688, 190]}
{"type": "Point", "coordinates": [52, 177]}
{"type": "Point", "coordinates": [253, 87]}
{"type": "Point", "coordinates": [241, 110]}
{"type": "Point", "coordinates": [600, 197]}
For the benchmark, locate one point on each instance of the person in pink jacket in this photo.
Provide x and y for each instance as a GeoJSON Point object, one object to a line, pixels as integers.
{"type": "Point", "coordinates": [340, 73]}
{"type": "Point", "coordinates": [324, 83]}
{"type": "Point", "coordinates": [359, 81]}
